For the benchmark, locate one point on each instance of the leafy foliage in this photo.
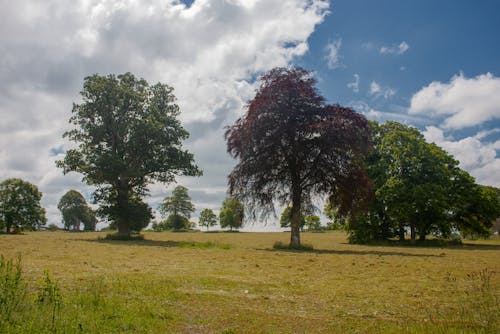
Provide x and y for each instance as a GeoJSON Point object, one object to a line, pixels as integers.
{"type": "Point", "coordinates": [231, 214]}
{"type": "Point", "coordinates": [179, 206]}
{"type": "Point", "coordinates": [20, 205]}
{"type": "Point", "coordinates": [75, 211]}
{"type": "Point", "coordinates": [290, 146]}
{"type": "Point", "coordinates": [207, 218]}
{"type": "Point", "coordinates": [419, 187]}
{"type": "Point", "coordinates": [128, 136]}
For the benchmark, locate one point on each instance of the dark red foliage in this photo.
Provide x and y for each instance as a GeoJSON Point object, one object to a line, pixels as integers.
{"type": "Point", "coordinates": [291, 146]}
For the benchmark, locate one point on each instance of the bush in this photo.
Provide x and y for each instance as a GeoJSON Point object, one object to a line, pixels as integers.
{"type": "Point", "coordinates": [52, 227]}
{"type": "Point", "coordinates": [12, 288]}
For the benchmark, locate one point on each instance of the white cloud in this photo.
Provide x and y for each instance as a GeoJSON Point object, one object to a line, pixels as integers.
{"type": "Point", "coordinates": [333, 53]}
{"type": "Point", "coordinates": [378, 91]}
{"type": "Point", "coordinates": [395, 49]}
{"type": "Point", "coordinates": [210, 53]}
{"type": "Point", "coordinates": [355, 84]}
{"type": "Point", "coordinates": [475, 155]}
{"type": "Point", "coordinates": [463, 102]}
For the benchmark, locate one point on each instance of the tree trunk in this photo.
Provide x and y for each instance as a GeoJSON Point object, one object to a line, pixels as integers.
{"type": "Point", "coordinates": [123, 219]}
{"type": "Point", "coordinates": [295, 217]}
{"type": "Point", "coordinates": [401, 232]}
{"type": "Point", "coordinates": [421, 237]}
{"type": "Point", "coordinates": [412, 234]}
{"type": "Point", "coordinates": [8, 224]}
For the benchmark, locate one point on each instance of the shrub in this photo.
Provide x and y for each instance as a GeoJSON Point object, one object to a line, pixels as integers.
{"type": "Point", "coordinates": [12, 288]}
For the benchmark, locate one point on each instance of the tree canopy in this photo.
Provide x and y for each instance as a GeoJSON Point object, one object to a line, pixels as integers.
{"type": "Point", "coordinates": [128, 136]}
{"type": "Point", "coordinates": [418, 188]}
{"type": "Point", "coordinates": [75, 211]}
{"type": "Point", "coordinates": [231, 214]}
{"type": "Point", "coordinates": [207, 218]}
{"type": "Point", "coordinates": [20, 205]}
{"type": "Point", "coordinates": [290, 146]}
{"type": "Point", "coordinates": [178, 208]}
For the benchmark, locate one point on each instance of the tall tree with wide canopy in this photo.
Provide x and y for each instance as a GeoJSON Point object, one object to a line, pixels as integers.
{"type": "Point", "coordinates": [20, 205]}
{"type": "Point", "coordinates": [128, 136]}
{"type": "Point", "coordinates": [291, 146]}
{"type": "Point", "coordinates": [75, 211]}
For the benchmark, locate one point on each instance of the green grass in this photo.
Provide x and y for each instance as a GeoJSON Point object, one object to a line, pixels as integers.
{"type": "Point", "coordinates": [239, 283]}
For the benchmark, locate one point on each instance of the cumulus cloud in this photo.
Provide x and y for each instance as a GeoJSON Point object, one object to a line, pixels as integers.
{"type": "Point", "coordinates": [210, 52]}
{"type": "Point", "coordinates": [355, 84]}
{"type": "Point", "coordinates": [463, 102]}
{"type": "Point", "coordinates": [333, 53]}
{"type": "Point", "coordinates": [377, 90]}
{"type": "Point", "coordinates": [474, 153]}
{"type": "Point", "coordinates": [395, 49]}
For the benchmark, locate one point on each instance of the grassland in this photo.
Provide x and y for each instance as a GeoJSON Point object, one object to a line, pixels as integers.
{"type": "Point", "coordinates": [236, 283]}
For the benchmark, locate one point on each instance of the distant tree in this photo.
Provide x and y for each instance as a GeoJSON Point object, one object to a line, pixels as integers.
{"type": "Point", "coordinates": [231, 214]}
{"type": "Point", "coordinates": [207, 218]}
{"type": "Point", "coordinates": [290, 145]}
{"type": "Point", "coordinates": [313, 223]}
{"type": "Point", "coordinates": [178, 208]}
{"type": "Point", "coordinates": [129, 136]}
{"type": "Point", "coordinates": [286, 218]}
{"type": "Point", "coordinates": [75, 211]}
{"type": "Point", "coordinates": [20, 205]}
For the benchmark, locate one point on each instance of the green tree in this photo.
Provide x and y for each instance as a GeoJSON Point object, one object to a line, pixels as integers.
{"type": "Point", "coordinates": [75, 211]}
{"type": "Point", "coordinates": [178, 208]}
{"type": "Point", "coordinates": [313, 223]}
{"type": "Point", "coordinates": [20, 205]}
{"type": "Point", "coordinates": [286, 218]}
{"type": "Point", "coordinates": [418, 187]}
{"type": "Point", "coordinates": [128, 136]}
{"type": "Point", "coordinates": [291, 146]}
{"type": "Point", "coordinates": [476, 210]}
{"type": "Point", "coordinates": [231, 214]}
{"type": "Point", "coordinates": [207, 218]}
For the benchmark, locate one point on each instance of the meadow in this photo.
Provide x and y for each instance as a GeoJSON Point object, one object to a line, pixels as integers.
{"type": "Point", "coordinates": [237, 283]}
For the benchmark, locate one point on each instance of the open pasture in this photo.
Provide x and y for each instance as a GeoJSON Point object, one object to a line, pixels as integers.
{"type": "Point", "coordinates": [237, 283]}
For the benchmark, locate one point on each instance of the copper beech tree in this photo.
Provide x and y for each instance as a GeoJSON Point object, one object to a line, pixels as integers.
{"type": "Point", "coordinates": [292, 146]}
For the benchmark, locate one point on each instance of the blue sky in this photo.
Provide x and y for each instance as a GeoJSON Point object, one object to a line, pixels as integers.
{"type": "Point", "coordinates": [431, 64]}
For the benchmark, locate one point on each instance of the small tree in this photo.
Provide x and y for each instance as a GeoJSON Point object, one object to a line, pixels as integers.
{"type": "Point", "coordinates": [20, 205]}
{"type": "Point", "coordinates": [290, 146]}
{"type": "Point", "coordinates": [231, 214]}
{"type": "Point", "coordinates": [75, 211]}
{"type": "Point", "coordinates": [128, 136]}
{"type": "Point", "coordinates": [207, 218]}
{"type": "Point", "coordinates": [313, 223]}
{"type": "Point", "coordinates": [178, 208]}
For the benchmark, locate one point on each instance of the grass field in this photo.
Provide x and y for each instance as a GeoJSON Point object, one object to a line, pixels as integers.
{"type": "Point", "coordinates": [237, 283]}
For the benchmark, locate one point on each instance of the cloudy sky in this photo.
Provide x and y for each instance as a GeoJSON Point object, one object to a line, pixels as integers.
{"type": "Point", "coordinates": [431, 64]}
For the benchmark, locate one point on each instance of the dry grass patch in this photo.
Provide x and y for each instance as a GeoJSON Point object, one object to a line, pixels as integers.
{"type": "Point", "coordinates": [237, 283]}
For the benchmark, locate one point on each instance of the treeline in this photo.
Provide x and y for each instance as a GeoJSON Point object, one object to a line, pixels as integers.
{"type": "Point", "coordinates": [380, 180]}
{"type": "Point", "coordinates": [417, 188]}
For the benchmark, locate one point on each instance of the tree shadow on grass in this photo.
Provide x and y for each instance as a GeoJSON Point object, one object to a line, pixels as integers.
{"type": "Point", "coordinates": [430, 244]}
{"type": "Point", "coordinates": [351, 252]}
{"type": "Point", "coordinates": [161, 243]}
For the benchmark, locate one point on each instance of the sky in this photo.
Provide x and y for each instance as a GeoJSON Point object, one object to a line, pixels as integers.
{"type": "Point", "coordinates": [431, 64]}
